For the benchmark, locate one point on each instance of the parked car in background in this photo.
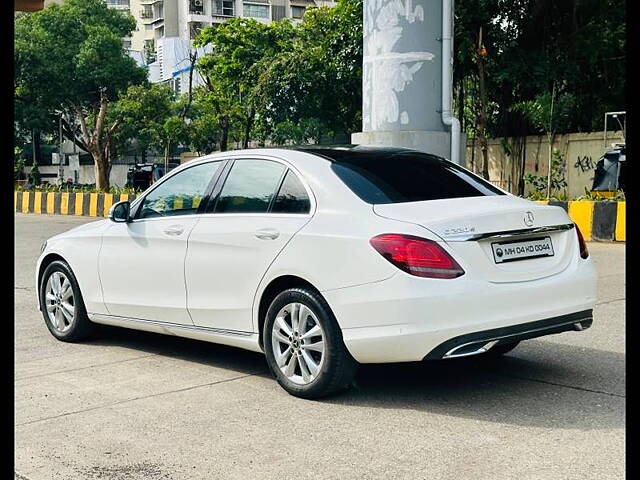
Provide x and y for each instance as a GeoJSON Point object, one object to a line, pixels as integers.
{"type": "Point", "coordinates": [324, 258]}
{"type": "Point", "coordinates": [142, 175]}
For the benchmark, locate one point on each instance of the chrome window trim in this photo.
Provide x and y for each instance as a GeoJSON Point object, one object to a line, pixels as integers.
{"type": "Point", "coordinates": [231, 157]}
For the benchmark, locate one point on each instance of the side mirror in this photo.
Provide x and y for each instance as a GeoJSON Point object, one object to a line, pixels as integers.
{"type": "Point", "coordinates": [119, 212]}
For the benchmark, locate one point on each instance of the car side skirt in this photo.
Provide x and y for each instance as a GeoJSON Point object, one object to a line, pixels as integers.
{"type": "Point", "coordinates": [234, 338]}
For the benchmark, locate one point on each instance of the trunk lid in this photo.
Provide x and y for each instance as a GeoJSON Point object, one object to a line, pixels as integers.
{"type": "Point", "coordinates": [457, 220]}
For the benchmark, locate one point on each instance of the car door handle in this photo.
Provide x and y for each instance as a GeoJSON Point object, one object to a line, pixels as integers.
{"type": "Point", "coordinates": [174, 230]}
{"type": "Point", "coordinates": [267, 234]}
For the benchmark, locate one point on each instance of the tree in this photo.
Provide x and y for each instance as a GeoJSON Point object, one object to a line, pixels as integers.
{"type": "Point", "coordinates": [70, 62]}
{"type": "Point", "coordinates": [533, 48]}
{"type": "Point", "coordinates": [238, 50]}
{"type": "Point", "coordinates": [319, 75]}
{"type": "Point", "coordinates": [532, 44]}
{"type": "Point", "coordinates": [141, 113]}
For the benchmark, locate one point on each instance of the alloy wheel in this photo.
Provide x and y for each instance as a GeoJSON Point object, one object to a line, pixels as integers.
{"type": "Point", "coordinates": [60, 302]}
{"type": "Point", "coordinates": [298, 343]}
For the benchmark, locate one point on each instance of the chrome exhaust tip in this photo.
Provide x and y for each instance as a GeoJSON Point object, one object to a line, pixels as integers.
{"type": "Point", "coordinates": [582, 324]}
{"type": "Point", "coordinates": [469, 349]}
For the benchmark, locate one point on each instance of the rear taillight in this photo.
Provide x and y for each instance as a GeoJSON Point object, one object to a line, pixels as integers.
{"type": "Point", "coordinates": [584, 253]}
{"type": "Point", "coordinates": [417, 256]}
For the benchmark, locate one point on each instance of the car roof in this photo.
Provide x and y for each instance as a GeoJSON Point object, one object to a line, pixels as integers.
{"type": "Point", "coordinates": [313, 158]}
{"type": "Point", "coordinates": [336, 153]}
{"type": "Point", "coordinates": [332, 153]}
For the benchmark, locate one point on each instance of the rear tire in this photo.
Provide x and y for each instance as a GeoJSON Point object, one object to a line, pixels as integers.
{"type": "Point", "coordinates": [304, 346]}
{"type": "Point", "coordinates": [62, 305]}
{"type": "Point", "coordinates": [502, 349]}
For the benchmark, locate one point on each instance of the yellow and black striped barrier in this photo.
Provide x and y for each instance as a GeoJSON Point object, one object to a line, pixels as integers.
{"type": "Point", "coordinates": [62, 203]}
{"type": "Point", "coordinates": [598, 221]}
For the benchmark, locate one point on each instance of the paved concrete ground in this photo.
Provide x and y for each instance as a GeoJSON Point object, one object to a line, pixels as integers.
{"type": "Point", "coordinates": [136, 405]}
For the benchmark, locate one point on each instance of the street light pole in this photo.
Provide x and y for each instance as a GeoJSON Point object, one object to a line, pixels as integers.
{"type": "Point", "coordinates": [60, 155]}
{"type": "Point", "coordinates": [550, 137]}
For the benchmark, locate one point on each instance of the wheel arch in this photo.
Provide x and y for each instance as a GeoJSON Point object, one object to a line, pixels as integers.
{"type": "Point", "coordinates": [271, 291]}
{"type": "Point", "coordinates": [48, 260]}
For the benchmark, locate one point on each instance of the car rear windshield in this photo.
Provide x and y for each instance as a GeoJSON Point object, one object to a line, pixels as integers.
{"type": "Point", "coordinates": [408, 177]}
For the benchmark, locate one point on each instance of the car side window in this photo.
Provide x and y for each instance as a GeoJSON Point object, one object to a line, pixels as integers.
{"type": "Point", "coordinates": [180, 194]}
{"type": "Point", "coordinates": [250, 187]}
{"type": "Point", "coordinates": [292, 196]}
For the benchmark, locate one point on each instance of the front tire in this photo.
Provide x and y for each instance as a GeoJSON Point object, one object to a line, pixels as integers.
{"type": "Point", "coordinates": [304, 346]}
{"type": "Point", "coordinates": [62, 305]}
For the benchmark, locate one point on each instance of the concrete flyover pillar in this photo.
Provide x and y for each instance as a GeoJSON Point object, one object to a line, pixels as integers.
{"type": "Point", "coordinates": [402, 76]}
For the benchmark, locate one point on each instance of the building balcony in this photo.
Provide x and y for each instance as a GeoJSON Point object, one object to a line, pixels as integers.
{"type": "Point", "coordinates": [118, 4]}
{"type": "Point", "coordinates": [153, 21]}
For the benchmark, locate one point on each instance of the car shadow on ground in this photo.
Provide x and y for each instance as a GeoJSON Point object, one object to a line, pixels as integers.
{"type": "Point", "coordinates": [517, 389]}
{"type": "Point", "coordinates": [540, 384]}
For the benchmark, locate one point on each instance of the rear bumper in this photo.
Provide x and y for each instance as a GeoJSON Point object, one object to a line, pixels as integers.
{"type": "Point", "coordinates": [480, 342]}
{"type": "Point", "coordinates": [406, 318]}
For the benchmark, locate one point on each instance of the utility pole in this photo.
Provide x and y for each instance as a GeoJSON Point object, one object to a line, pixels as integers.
{"type": "Point", "coordinates": [550, 136]}
{"type": "Point", "coordinates": [406, 77]}
{"type": "Point", "coordinates": [33, 148]}
{"type": "Point", "coordinates": [34, 173]}
{"type": "Point", "coordinates": [60, 154]}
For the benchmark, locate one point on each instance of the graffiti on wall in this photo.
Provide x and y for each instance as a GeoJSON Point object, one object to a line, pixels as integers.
{"type": "Point", "coordinates": [584, 163]}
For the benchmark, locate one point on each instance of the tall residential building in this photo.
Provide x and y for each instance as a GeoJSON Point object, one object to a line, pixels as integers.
{"type": "Point", "coordinates": [166, 29]}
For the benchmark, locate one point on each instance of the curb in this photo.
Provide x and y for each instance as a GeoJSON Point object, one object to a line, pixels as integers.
{"type": "Point", "coordinates": [60, 203]}
{"type": "Point", "coordinates": [598, 221]}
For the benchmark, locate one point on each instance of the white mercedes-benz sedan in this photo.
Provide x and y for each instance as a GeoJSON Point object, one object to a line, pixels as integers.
{"type": "Point", "coordinates": [323, 258]}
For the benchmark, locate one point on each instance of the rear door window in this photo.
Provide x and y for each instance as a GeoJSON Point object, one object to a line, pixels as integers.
{"type": "Point", "coordinates": [292, 196]}
{"type": "Point", "coordinates": [250, 187]}
{"type": "Point", "coordinates": [409, 177]}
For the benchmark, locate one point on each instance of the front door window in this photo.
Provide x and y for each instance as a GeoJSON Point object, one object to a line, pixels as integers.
{"type": "Point", "coordinates": [179, 195]}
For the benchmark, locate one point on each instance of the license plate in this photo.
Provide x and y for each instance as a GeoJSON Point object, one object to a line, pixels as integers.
{"type": "Point", "coordinates": [522, 249]}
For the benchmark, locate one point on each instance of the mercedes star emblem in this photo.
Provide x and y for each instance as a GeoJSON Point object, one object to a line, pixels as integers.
{"type": "Point", "coordinates": [528, 219]}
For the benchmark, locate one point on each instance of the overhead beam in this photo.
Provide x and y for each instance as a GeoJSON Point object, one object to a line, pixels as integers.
{"type": "Point", "coordinates": [28, 5]}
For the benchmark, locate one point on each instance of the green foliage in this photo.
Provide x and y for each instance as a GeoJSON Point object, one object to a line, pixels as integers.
{"type": "Point", "coordinates": [539, 114]}
{"type": "Point", "coordinates": [558, 180]}
{"type": "Point", "coordinates": [287, 82]}
{"type": "Point", "coordinates": [533, 44]}
{"type": "Point", "coordinates": [283, 81]}
{"type": "Point", "coordinates": [239, 50]}
{"type": "Point", "coordinates": [70, 60]}
{"type": "Point", "coordinates": [204, 129]}
{"type": "Point", "coordinates": [69, 53]}
{"type": "Point", "coordinates": [34, 174]}
{"type": "Point", "coordinates": [320, 75]}
{"type": "Point", "coordinates": [18, 163]}
{"type": "Point", "coordinates": [305, 131]}
{"type": "Point", "coordinates": [142, 112]}
{"type": "Point", "coordinates": [214, 118]}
